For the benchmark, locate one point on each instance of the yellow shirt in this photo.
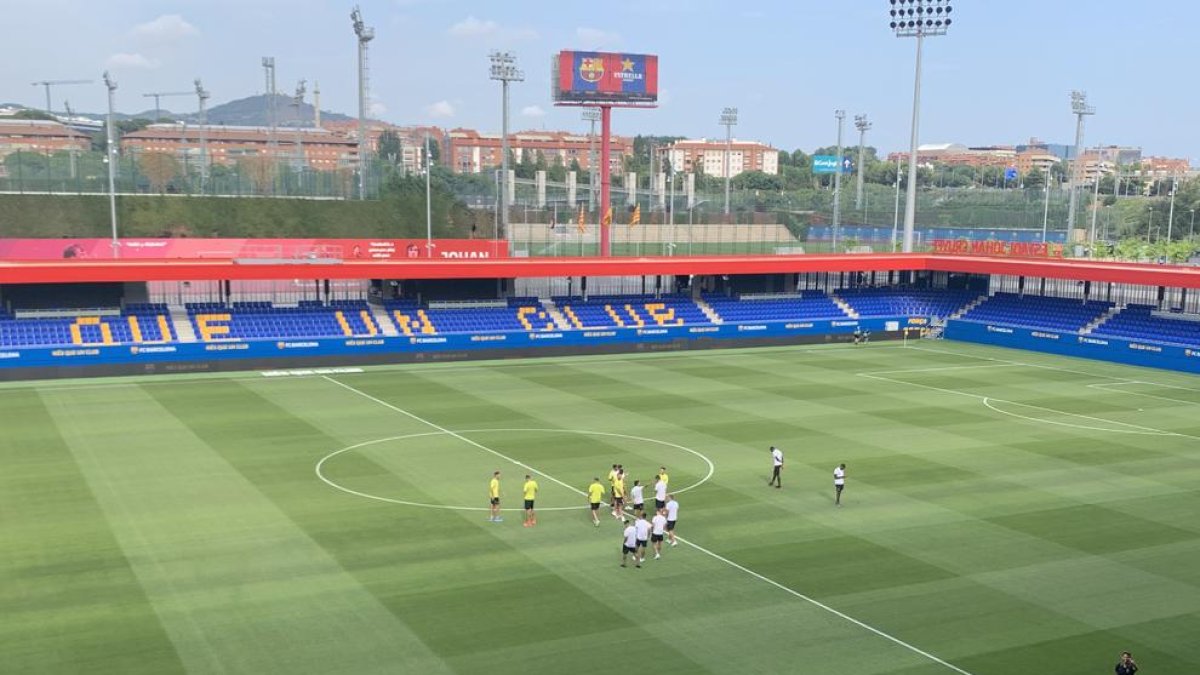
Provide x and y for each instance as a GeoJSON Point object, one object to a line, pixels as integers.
{"type": "Point", "coordinates": [595, 493]}
{"type": "Point", "coordinates": [619, 487]}
{"type": "Point", "coordinates": [494, 488]}
{"type": "Point", "coordinates": [663, 476]}
{"type": "Point", "coordinates": [531, 488]}
{"type": "Point", "coordinates": [612, 477]}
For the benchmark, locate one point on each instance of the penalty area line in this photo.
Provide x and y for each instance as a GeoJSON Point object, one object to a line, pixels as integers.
{"type": "Point", "coordinates": [715, 556]}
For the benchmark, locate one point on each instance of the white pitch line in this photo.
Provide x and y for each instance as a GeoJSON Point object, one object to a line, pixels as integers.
{"type": "Point", "coordinates": [1107, 386]}
{"type": "Point", "coordinates": [985, 399]}
{"type": "Point", "coordinates": [815, 603]}
{"type": "Point", "coordinates": [938, 369]}
{"type": "Point", "coordinates": [987, 402]}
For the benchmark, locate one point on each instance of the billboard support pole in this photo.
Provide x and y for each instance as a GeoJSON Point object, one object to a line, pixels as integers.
{"type": "Point", "coordinates": [605, 177]}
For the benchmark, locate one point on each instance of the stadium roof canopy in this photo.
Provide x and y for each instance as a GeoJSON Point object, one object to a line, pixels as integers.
{"type": "Point", "coordinates": [93, 270]}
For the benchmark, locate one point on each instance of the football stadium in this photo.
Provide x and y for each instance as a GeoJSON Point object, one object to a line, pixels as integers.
{"type": "Point", "coordinates": [301, 484]}
{"type": "Point", "coordinates": [284, 395]}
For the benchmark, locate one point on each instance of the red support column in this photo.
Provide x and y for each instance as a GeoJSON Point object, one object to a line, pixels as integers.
{"type": "Point", "coordinates": [605, 177]}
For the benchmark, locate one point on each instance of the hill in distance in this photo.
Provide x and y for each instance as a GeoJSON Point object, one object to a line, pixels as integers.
{"type": "Point", "coordinates": [249, 111]}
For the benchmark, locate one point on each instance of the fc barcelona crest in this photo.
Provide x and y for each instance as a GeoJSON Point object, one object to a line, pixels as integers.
{"type": "Point", "coordinates": [591, 69]}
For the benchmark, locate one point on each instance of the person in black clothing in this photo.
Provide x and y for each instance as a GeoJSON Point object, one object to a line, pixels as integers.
{"type": "Point", "coordinates": [1126, 666]}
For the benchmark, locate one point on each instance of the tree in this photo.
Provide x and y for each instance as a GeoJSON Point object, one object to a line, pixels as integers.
{"type": "Point", "coordinates": [260, 171]}
{"type": "Point", "coordinates": [389, 146]}
{"type": "Point", "coordinates": [159, 168]}
{"type": "Point", "coordinates": [757, 180]}
{"type": "Point", "coordinates": [1035, 180]}
{"type": "Point", "coordinates": [557, 173]}
{"type": "Point", "coordinates": [31, 115]}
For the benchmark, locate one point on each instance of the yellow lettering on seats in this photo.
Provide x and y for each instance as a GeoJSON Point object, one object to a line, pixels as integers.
{"type": "Point", "coordinates": [571, 315]}
{"type": "Point", "coordinates": [77, 333]}
{"type": "Point", "coordinates": [615, 317]}
{"type": "Point", "coordinates": [213, 326]}
{"type": "Point", "coordinates": [426, 325]}
{"type": "Point", "coordinates": [369, 322]}
{"type": "Point", "coordinates": [633, 313]}
{"type": "Point", "coordinates": [522, 316]}
{"type": "Point", "coordinates": [404, 321]}
{"type": "Point", "coordinates": [343, 323]}
{"type": "Point", "coordinates": [663, 315]}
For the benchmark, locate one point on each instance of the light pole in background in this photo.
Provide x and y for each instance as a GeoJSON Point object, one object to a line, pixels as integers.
{"type": "Point", "coordinates": [110, 156]}
{"type": "Point", "coordinates": [504, 69]}
{"type": "Point", "coordinates": [837, 179]}
{"type": "Point", "coordinates": [1171, 217]}
{"type": "Point", "coordinates": [919, 19]}
{"type": "Point", "coordinates": [591, 115]}
{"type": "Point", "coordinates": [428, 200]}
{"type": "Point", "coordinates": [365, 34]}
{"type": "Point", "coordinates": [1080, 107]}
{"type": "Point", "coordinates": [1192, 227]}
{"type": "Point", "coordinates": [863, 126]}
{"type": "Point", "coordinates": [729, 120]}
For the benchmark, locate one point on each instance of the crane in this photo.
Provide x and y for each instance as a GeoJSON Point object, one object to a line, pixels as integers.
{"type": "Point", "coordinates": [54, 83]}
{"type": "Point", "coordinates": [156, 95]}
{"type": "Point", "coordinates": [202, 96]}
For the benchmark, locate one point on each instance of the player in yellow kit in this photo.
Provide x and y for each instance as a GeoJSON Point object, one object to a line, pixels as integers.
{"type": "Point", "coordinates": [595, 498]}
{"type": "Point", "coordinates": [530, 489]}
{"type": "Point", "coordinates": [494, 497]}
{"type": "Point", "coordinates": [618, 496]}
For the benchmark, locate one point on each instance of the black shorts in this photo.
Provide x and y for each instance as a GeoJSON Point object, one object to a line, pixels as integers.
{"type": "Point", "coordinates": [529, 504]}
{"type": "Point", "coordinates": [670, 525]}
{"type": "Point", "coordinates": [838, 487]}
{"type": "Point", "coordinates": [628, 549]}
{"type": "Point", "coordinates": [642, 543]}
{"type": "Point", "coordinates": [495, 501]}
{"type": "Point", "coordinates": [659, 505]}
{"type": "Point", "coordinates": [617, 501]}
{"type": "Point", "coordinates": [641, 506]}
{"type": "Point", "coordinates": [595, 506]}
{"type": "Point", "coordinates": [656, 537]}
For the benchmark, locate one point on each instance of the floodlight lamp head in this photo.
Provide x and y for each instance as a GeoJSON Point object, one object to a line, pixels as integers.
{"type": "Point", "coordinates": [840, 114]}
{"type": "Point", "coordinates": [109, 82]}
{"type": "Point", "coordinates": [920, 18]}
{"type": "Point", "coordinates": [729, 117]}
{"type": "Point", "coordinates": [1079, 104]}
{"type": "Point", "coordinates": [504, 67]}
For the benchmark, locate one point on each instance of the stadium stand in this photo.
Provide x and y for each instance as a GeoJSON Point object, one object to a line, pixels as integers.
{"type": "Point", "coordinates": [630, 311]}
{"type": "Point", "coordinates": [875, 302]}
{"type": "Point", "coordinates": [262, 320]}
{"type": "Point", "coordinates": [1140, 322]}
{"type": "Point", "coordinates": [815, 305]}
{"type": "Point", "coordinates": [135, 324]}
{"type": "Point", "coordinates": [1035, 311]}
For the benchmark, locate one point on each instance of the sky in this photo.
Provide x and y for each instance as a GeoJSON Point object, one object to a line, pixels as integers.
{"type": "Point", "coordinates": [1002, 75]}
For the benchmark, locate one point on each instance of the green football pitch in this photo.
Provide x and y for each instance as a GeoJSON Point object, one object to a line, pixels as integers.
{"type": "Point", "coordinates": [1005, 512]}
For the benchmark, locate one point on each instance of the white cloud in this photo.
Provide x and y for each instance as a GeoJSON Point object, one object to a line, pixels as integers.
{"type": "Point", "coordinates": [440, 109]}
{"type": "Point", "coordinates": [165, 28]}
{"type": "Point", "coordinates": [594, 38]}
{"type": "Point", "coordinates": [125, 60]}
{"type": "Point", "coordinates": [472, 27]}
{"type": "Point", "coordinates": [533, 111]}
{"type": "Point", "coordinates": [376, 109]}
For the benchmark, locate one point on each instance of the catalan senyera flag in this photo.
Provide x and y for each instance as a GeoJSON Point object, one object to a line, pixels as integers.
{"type": "Point", "coordinates": [582, 222]}
{"type": "Point", "coordinates": [607, 217]}
{"type": "Point", "coordinates": [637, 215]}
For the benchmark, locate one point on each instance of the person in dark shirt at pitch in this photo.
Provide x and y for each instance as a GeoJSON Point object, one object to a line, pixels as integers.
{"type": "Point", "coordinates": [1126, 666]}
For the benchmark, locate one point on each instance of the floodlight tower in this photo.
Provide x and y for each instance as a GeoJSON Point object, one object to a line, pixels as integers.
{"type": "Point", "coordinates": [837, 179]}
{"type": "Point", "coordinates": [591, 115]}
{"type": "Point", "coordinates": [729, 120]}
{"type": "Point", "coordinates": [268, 64]}
{"type": "Point", "coordinates": [298, 105]}
{"type": "Point", "coordinates": [202, 99]}
{"type": "Point", "coordinates": [863, 126]}
{"type": "Point", "coordinates": [1080, 107]}
{"type": "Point", "coordinates": [504, 68]}
{"type": "Point", "coordinates": [110, 156]}
{"type": "Point", "coordinates": [919, 19]}
{"type": "Point", "coordinates": [365, 34]}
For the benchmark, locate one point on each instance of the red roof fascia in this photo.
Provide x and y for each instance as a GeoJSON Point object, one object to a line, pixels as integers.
{"type": "Point", "coordinates": [92, 271]}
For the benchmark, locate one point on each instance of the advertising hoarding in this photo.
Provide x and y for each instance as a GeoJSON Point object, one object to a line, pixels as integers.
{"type": "Point", "coordinates": [605, 77]}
